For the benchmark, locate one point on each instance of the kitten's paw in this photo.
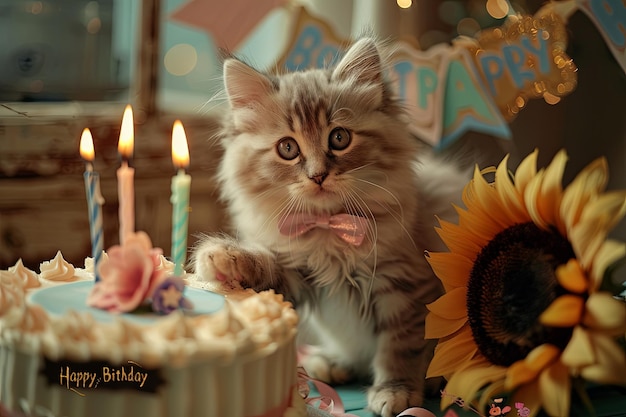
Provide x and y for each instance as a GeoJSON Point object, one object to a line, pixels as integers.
{"type": "Point", "coordinates": [229, 266]}
{"type": "Point", "coordinates": [389, 399]}
{"type": "Point", "coordinates": [322, 368]}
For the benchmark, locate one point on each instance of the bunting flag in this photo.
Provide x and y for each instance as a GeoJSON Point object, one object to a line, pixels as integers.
{"type": "Point", "coordinates": [419, 81]}
{"type": "Point", "coordinates": [438, 87]}
{"type": "Point", "coordinates": [313, 44]}
{"type": "Point", "coordinates": [524, 59]}
{"type": "Point", "coordinates": [476, 84]}
{"type": "Point", "coordinates": [609, 16]}
{"type": "Point", "coordinates": [466, 105]}
{"type": "Point", "coordinates": [227, 22]}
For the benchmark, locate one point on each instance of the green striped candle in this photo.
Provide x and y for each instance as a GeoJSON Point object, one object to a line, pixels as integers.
{"type": "Point", "coordinates": [181, 184]}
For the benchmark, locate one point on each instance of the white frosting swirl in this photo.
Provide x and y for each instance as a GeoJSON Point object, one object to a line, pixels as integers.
{"type": "Point", "coordinates": [248, 327]}
{"type": "Point", "coordinates": [242, 327]}
{"type": "Point", "coordinates": [27, 278]}
{"type": "Point", "coordinates": [90, 263]}
{"type": "Point", "coordinates": [11, 299]}
{"type": "Point", "coordinates": [57, 269]}
{"type": "Point", "coordinates": [166, 265]}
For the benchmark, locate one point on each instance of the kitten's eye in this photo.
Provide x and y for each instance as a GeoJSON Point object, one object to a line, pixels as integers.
{"type": "Point", "coordinates": [339, 139]}
{"type": "Point", "coordinates": [288, 148]}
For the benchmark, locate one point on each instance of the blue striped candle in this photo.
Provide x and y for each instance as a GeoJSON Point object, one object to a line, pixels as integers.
{"type": "Point", "coordinates": [181, 183]}
{"type": "Point", "coordinates": [94, 201]}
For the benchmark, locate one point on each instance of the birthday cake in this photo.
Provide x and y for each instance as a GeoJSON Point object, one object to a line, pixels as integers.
{"type": "Point", "coordinates": [227, 356]}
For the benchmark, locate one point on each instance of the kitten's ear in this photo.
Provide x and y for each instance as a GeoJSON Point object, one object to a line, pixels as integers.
{"type": "Point", "coordinates": [361, 63]}
{"type": "Point", "coordinates": [245, 86]}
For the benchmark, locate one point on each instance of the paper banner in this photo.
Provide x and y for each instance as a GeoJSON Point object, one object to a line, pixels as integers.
{"type": "Point", "coordinates": [442, 107]}
{"type": "Point", "coordinates": [227, 22]}
{"type": "Point", "coordinates": [609, 16]}
{"type": "Point", "coordinates": [313, 44]}
{"type": "Point", "coordinates": [418, 78]}
{"type": "Point", "coordinates": [523, 59]}
{"type": "Point", "coordinates": [467, 106]}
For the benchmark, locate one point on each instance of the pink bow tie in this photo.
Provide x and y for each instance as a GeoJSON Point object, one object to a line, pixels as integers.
{"type": "Point", "coordinates": [350, 228]}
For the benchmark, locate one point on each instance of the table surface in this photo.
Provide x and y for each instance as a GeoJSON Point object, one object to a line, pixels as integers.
{"type": "Point", "coordinates": [607, 402]}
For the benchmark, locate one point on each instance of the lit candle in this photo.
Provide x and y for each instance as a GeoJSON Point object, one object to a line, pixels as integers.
{"type": "Point", "coordinates": [125, 177]}
{"type": "Point", "coordinates": [180, 197]}
{"type": "Point", "coordinates": [94, 200]}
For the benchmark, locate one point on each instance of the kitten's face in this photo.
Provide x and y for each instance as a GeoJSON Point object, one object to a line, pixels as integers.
{"type": "Point", "coordinates": [316, 141]}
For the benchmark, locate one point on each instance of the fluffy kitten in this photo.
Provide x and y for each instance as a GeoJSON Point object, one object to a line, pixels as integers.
{"type": "Point", "coordinates": [329, 142]}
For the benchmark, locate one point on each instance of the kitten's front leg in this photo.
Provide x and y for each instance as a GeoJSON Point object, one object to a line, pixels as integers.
{"type": "Point", "coordinates": [400, 367]}
{"type": "Point", "coordinates": [234, 264]}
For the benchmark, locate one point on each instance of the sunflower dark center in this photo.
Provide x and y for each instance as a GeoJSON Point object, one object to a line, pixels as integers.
{"type": "Point", "coordinates": [512, 282]}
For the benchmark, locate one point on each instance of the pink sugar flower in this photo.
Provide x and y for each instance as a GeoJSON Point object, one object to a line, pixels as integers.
{"type": "Point", "coordinates": [129, 275]}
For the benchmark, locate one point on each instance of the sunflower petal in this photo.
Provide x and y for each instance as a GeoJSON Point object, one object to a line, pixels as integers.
{"type": "Point", "coordinates": [459, 240]}
{"type": "Point", "coordinates": [481, 225]}
{"type": "Point", "coordinates": [541, 356]}
{"type": "Point", "coordinates": [451, 305]}
{"type": "Point", "coordinates": [565, 311]}
{"type": "Point", "coordinates": [572, 277]}
{"type": "Point", "coordinates": [532, 194]}
{"type": "Point", "coordinates": [526, 171]}
{"type": "Point", "coordinates": [554, 389]}
{"type": "Point", "coordinates": [452, 354]}
{"type": "Point", "coordinates": [586, 239]}
{"type": "Point", "coordinates": [526, 370]}
{"type": "Point", "coordinates": [610, 252]}
{"type": "Point", "coordinates": [451, 268]}
{"type": "Point", "coordinates": [610, 365]}
{"type": "Point", "coordinates": [579, 351]}
{"type": "Point", "coordinates": [591, 181]}
{"type": "Point", "coordinates": [512, 200]}
{"type": "Point", "coordinates": [467, 382]}
{"type": "Point", "coordinates": [610, 207]}
{"type": "Point", "coordinates": [549, 201]}
{"type": "Point", "coordinates": [518, 374]}
{"type": "Point", "coordinates": [598, 218]}
{"type": "Point", "coordinates": [483, 198]}
{"type": "Point", "coordinates": [437, 327]}
{"type": "Point", "coordinates": [604, 312]}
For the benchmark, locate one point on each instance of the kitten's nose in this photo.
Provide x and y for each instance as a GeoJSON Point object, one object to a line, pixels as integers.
{"type": "Point", "coordinates": [318, 179]}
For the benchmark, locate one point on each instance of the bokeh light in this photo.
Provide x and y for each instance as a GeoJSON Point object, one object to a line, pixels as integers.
{"type": "Point", "coordinates": [498, 9]}
{"type": "Point", "coordinates": [180, 59]}
{"type": "Point", "coordinates": [468, 27]}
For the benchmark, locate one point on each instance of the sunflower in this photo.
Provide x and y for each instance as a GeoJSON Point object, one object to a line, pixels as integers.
{"type": "Point", "coordinates": [524, 311]}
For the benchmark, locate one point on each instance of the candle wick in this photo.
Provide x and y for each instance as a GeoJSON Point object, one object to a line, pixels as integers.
{"type": "Point", "coordinates": [89, 166]}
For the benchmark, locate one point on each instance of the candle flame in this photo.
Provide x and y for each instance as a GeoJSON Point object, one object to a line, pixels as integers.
{"type": "Point", "coordinates": [86, 145]}
{"type": "Point", "coordinates": [180, 149]}
{"type": "Point", "coordinates": [127, 136]}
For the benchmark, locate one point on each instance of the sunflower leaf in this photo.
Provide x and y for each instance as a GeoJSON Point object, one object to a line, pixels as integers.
{"type": "Point", "coordinates": [610, 284]}
{"type": "Point", "coordinates": [579, 387]}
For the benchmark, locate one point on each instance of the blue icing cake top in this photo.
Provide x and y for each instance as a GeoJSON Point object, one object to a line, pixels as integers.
{"type": "Point", "coordinates": [60, 299]}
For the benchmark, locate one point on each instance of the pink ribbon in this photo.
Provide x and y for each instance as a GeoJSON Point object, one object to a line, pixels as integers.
{"type": "Point", "coordinates": [416, 412]}
{"type": "Point", "coordinates": [348, 227]}
{"type": "Point", "coordinates": [328, 399]}
{"type": "Point", "coordinates": [330, 402]}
